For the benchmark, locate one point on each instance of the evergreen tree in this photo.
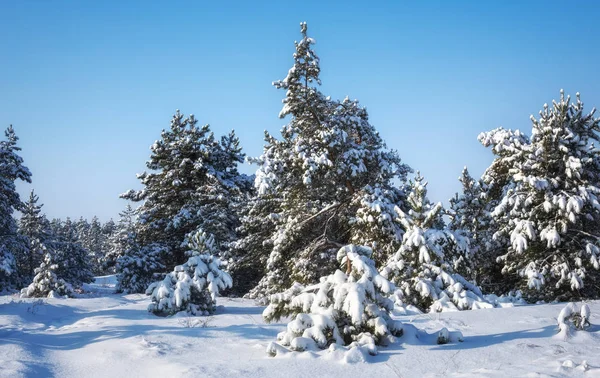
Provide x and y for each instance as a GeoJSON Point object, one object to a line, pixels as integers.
{"type": "Point", "coordinates": [470, 216]}
{"type": "Point", "coordinates": [193, 286]}
{"type": "Point", "coordinates": [139, 267]}
{"type": "Point", "coordinates": [327, 183]}
{"type": "Point", "coordinates": [349, 306]}
{"type": "Point", "coordinates": [250, 252]}
{"type": "Point", "coordinates": [136, 266]}
{"type": "Point", "coordinates": [424, 267]}
{"type": "Point", "coordinates": [108, 229]}
{"type": "Point", "coordinates": [33, 225]}
{"type": "Point", "coordinates": [121, 239]}
{"type": "Point", "coordinates": [82, 228]}
{"type": "Point", "coordinates": [73, 260]}
{"type": "Point", "coordinates": [192, 181]}
{"type": "Point", "coordinates": [11, 169]}
{"type": "Point", "coordinates": [45, 283]}
{"type": "Point", "coordinates": [548, 211]}
{"type": "Point", "coordinates": [94, 241]}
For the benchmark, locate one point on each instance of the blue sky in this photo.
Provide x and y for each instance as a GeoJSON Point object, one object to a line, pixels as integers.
{"type": "Point", "coordinates": [89, 85]}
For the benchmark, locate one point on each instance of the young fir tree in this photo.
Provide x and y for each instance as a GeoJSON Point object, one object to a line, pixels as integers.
{"type": "Point", "coordinates": [45, 283]}
{"type": "Point", "coordinates": [350, 306]}
{"type": "Point", "coordinates": [326, 183]}
{"type": "Point", "coordinates": [34, 226]}
{"type": "Point", "coordinates": [424, 267]}
{"type": "Point", "coordinates": [11, 170]}
{"type": "Point", "coordinates": [548, 211]}
{"type": "Point", "coordinates": [192, 183]}
{"type": "Point", "coordinates": [73, 260]}
{"type": "Point", "coordinates": [193, 286]}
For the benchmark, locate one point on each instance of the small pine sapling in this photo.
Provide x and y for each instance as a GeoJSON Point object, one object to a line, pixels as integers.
{"type": "Point", "coordinates": [424, 268]}
{"type": "Point", "coordinates": [193, 286]}
{"type": "Point", "coordinates": [348, 308]}
{"type": "Point", "coordinates": [46, 284]}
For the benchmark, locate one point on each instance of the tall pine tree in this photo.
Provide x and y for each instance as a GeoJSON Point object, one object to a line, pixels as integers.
{"type": "Point", "coordinates": [11, 170]}
{"type": "Point", "coordinates": [192, 184]}
{"type": "Point", "coordinates": [326, 183]}
{"type": "Point", "coordinates": [470, 216]}
{"type": "Point", "coordinates": [34, 226]}
{"type": "Point", "coordinates": [73, 260]}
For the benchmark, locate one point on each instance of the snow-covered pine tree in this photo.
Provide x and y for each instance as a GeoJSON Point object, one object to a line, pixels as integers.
{"type": "Point", "coordinates": [139, 266]}
{"type": "Point", "coordinates": [220, 199]}
{"type": "Point", "coordinates": [82, 228]}
{"type": "Point", "coordinates": [470, 216]}
{"type": "Point", "coordinates": [424, 267]}
{"type": "Point", "coordinates": [45, 283]}
{"type": "Point", "coordinates": [258, 218]}
{"type": "Point", "coordinates": [121, 239]}
{"type": "Point", "coordinates": [193, 180]}
{"type": "Point", "coordinates": [108, 229]}
{"type": "Point", "coordinates": [348, 307]}
{"type": "Point", "coordinates": [11, 170]}
{"type": "Point", "coordinates": [328, 182]}
{"type": "Point", "coordinates": [193, 286]}
{"type": "Point", "coordinates": [94, 241]}
{"type": "Point", "coordinates": [548, 211]}
{"type": "Point", "coordinates": [73, 260]}
{"type": "Point", "coordinates": [34, 226]}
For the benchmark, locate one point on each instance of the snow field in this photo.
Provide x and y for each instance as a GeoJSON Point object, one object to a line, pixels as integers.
{"type": "Point", "coordinates": [108, 335]}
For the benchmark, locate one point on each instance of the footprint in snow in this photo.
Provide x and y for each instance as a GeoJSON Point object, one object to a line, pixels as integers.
{"type": "Point", "coordinates": [529, 345]}
{"type": "Point", "coordinates": [154, 347]}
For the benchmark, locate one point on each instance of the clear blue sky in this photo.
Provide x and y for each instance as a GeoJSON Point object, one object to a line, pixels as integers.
{"type": "Point", "coordinates": [88, 85]}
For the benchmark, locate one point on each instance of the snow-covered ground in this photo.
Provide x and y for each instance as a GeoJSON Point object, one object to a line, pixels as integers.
{"type": "Point", "coordinates": [109, 335]}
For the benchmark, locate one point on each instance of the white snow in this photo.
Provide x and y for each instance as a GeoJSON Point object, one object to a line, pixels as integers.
{"type": "Point", "coordinates": [110, 335]}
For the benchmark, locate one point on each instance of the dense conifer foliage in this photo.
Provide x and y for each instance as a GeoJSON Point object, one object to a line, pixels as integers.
{"type": "Point", "coordinates": [327, 182]}
{"type": "Point", "coordinates": [547, 214]}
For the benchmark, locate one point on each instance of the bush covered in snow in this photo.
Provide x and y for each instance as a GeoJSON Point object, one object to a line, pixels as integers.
{"type": "Point", "coordinates": [571, 319]}
{"type": "Point", "coordinates": [348, 308]}
{"type": "Point", "coordinates": [193, 286]}
{"type": "Point", "coordinates": [46, 283]}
